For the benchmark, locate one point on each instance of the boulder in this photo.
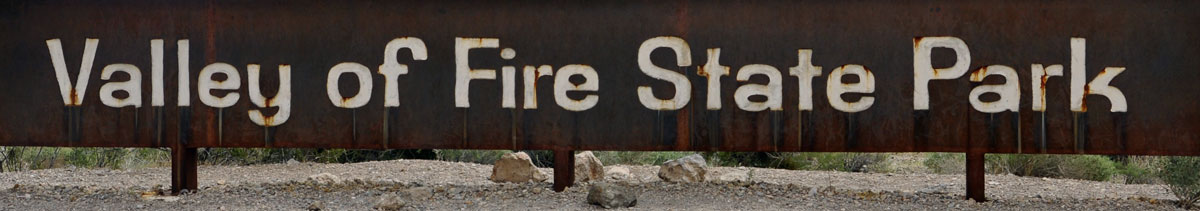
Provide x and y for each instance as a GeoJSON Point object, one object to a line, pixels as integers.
{"type": "Point", "coordinates": [618, 173]}
{"type": "Point", "coordinates": [686, 169]}
{"type": "Point", "coordinates": [588, 167]}
{"type": "Point", "coordinates": [611, 195]}
{"type": "Point", "coordinates": [516, 167]}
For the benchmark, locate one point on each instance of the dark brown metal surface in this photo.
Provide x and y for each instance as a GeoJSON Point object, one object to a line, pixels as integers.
{"type": "Point", "coordinates": [1155, 41]}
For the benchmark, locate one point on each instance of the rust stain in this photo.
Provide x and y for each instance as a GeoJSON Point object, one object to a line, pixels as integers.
{"type": "Point", "coordinates": [1087, 90]}
{"type": "Point", "coordinates": [683, 128]}
{"type": "Point", "coordinates": [978, 75]}
{"type": "Point", "coordinates": [681, 22]}
{"type": "Point", "coordinates": [74, 96]}
{"type": "Point", "coordinates": [1043, 88]}
{"type": "Point", "coordinates": [700, 71]}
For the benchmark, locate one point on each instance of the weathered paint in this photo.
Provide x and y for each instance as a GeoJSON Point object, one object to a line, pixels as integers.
{"type": "Point", "coordinates": [1137, 62]}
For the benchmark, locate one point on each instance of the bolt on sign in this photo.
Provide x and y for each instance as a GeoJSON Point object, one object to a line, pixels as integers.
{"type": "Point", "coordinates": [1064, 77]}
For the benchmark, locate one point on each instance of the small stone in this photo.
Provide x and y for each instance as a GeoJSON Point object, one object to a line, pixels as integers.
{"type": "Point", "coordinates": [292, 161]}
{"type": "Point", "coordinates": [611, 195]}
{"type": "Point", "coordinates": [419, 193]}
{"type": "Point", "coordinates": [324, 178]}
{"type": "Point", "coordinates": [390, 201]}
{"type": "Point", "coordinates": [686, 169]}
{"type": "Point", "coordinates": [737, 175]}
{"type": "Point", "coordinates": [588, 167]}
{"type": "Point", "coordinates": [618, 173]}
{"type": "Point", "coordinates": [220, 182]}
{"type": "Point", "coordinates": [161, 198]}
{"type": "Point", "coordinates": [516, 167]}
{"type": "Point", "coordinates": [316, 206]}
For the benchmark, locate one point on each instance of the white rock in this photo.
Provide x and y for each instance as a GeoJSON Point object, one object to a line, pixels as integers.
{"type": "Point", "coordinates": [736, 175]}
{"type": "Point", "coordinates": [686, 169]}
{"type": "Point", "coordinates": [618, 173]}
{"type": "Point", "coordinates": [325, 178]}
{"type": "Point", "coordinates": [588, 167]}
{"type": "Point", "coordinates": [516, 167]}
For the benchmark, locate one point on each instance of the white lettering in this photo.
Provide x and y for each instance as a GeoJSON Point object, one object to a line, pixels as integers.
{"type": "Point", "coordinates": [205, 84]}
{"type": "Point", "coordinates": [463, 74]}
{"type": "Point", "coordinates": [923, 70]}
{"type": "Point", "coordinates": [805, 72]}
{"type": "Point", "coordinates": [835, 88]}
{"type": "Point", "coordinates": [713, 70]}
{"type": "Point", "coordinates": [773, 91]}
{"type": "Point", "coordinates": [72, 96]}
{"type": "Point", "coordinates": [530, 78]}
{"type": "Point", "coordinates": [282, 98]}
{"type": "Point", "coordinates": [364, 85]}
{"type": "Point", "coordinates": [1098, 86]}
{"type": "Point", "coordinates": [392, 69]}
{"type": "Point", "coordinates": [562, 84]}
{"type": "Point", "coordinates": [1010, 91]}
{"type": "Point", "coordinates": [683, 88]}
{"type": "Point", "coordinates": [133, 87]}
{"type": "Point", "coordinates": [1038, 79]}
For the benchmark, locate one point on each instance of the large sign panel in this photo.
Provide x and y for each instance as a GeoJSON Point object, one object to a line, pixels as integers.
{"type": "Point", "coordinates": [1110, 77]}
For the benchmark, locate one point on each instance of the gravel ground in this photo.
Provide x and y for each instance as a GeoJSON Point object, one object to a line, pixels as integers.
{"type": "Point", "coordinates": [437, 185]}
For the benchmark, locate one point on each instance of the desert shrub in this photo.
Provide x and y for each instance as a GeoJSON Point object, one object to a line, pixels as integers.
{"type": "Point", "coordinates": [352, 156]}
{"type": "Point", "coordinates": [749, 159]}
{"type": "Point", "coordinates": [1085, 167]}
{"type": "Point", "coordinates": [248, 156]}
{"type": "Point", "coordinates": [1182, 175]}
{"type": "Point", "coordinates": [638, 157]}
{"type": "Point", "coordinates": [830, 161]}
{"type": "Point", "coordinates": [97, 157]}
{"type": "Point", "coordinates": [946, 163]}
{"type": "Point", "coordinates": [1024, 165]}
{"type": "Point", "coordinates": [29, 158]}
{"type": "Point", "coordinates": [471, 156]}
{"type": "Point", "coordinates": [1140, 169]}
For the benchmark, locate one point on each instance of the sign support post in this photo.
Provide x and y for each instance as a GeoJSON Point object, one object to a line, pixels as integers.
{"type": "Point", "coordinates": [975, 175]}
{"type": "Point", "coordinates": [564, 169]}
{"type": "Point", "coordinates": [183, 169]}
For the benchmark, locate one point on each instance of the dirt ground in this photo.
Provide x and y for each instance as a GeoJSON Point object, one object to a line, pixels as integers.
{"type": "Point", "coordinates": [438, 185]}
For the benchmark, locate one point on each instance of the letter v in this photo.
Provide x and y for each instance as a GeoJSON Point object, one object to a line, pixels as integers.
{"type": "Point", "coordinates": [72, 96]}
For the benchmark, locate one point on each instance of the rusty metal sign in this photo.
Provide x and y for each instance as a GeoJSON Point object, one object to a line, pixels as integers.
{"type": "Point", "coordinates": [1108, 77]}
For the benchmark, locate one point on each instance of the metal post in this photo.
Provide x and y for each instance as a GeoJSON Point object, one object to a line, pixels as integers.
{"type": "Point", "coordinates": [183, 169]}
{"type": "Point", "coordinates": [975, 180]}
{"type": "Point", "coordinates": [564, 169]}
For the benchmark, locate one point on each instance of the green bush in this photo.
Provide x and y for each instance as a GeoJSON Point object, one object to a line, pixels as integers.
{"type": "Point", "coordinates": [824, 161]}
{"type": "Point", "coordinates": [637, 157]}
{"type": "Point", "coordinates": [1084, 167]}
{"type": "Point", "coordinates": [97, 157]}
{"type": "Point", "coordinates": [750, 159]}
{"type": "Point", "coordinates": [1088, 167]}
{"type": "Point", "coordinates": [29, 158]}
{"type": "Point", "coordinates": [946, 163]}
{"type": "Point", "coordinates": [1139, 169]}
{"type": "Point", "coordinates": [471, 156]}
{"type": "Point", "coordinates": [1182, 175]}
